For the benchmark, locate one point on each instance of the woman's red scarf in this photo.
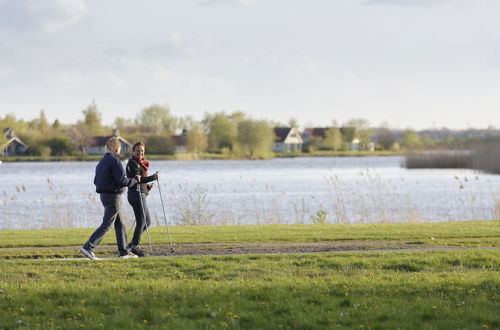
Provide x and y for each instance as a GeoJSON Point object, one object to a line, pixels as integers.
{"type": "Point", "coordinates": [144, 163]}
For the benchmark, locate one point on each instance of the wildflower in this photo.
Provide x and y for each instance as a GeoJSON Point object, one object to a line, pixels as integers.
{"type": "Point", "coordinates": [213, 314]}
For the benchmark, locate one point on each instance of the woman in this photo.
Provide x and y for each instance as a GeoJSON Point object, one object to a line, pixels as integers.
{"type": "Point", "coordinates": [138, 166]}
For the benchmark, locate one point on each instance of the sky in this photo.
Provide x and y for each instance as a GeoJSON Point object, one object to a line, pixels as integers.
{"type": "Point", "coordinates": [406, 63]}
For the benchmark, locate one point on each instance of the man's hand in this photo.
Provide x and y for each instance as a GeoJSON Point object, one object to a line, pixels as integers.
{"type": "Point", "coordinates": [157, 175]}
{"type": "Point", "coordinates": [138, 178]}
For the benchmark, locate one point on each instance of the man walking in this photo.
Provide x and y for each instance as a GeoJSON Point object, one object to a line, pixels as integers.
{"type": "Point", "coordinates": [110, 180]}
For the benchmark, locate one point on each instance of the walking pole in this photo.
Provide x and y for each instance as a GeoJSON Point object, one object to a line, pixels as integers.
{"type": "Point", "coordinates": [165, 217]}
{"type": "Point", "coordinates": [144, 216]}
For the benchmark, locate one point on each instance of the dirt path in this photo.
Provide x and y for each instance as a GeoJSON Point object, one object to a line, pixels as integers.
{"type": "Point", "coordinates": [109, 251]}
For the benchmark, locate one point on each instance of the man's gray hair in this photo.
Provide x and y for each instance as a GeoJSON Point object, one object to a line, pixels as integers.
{"type": "Point", "coordinates": [113, 143]}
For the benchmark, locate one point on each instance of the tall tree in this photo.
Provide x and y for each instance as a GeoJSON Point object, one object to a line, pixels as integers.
{"type": "Point", "coordinates": [123, 123]}
{"type": "Point", "coordinates": [92, 119]}
{"type": "Point", "coordinates": [3, 139]}
{"type": "Point", "coordinates": [156, 119]}
{"type": "Point", "coordinates": [56, 124]}
{"type": "Point", "coordinates": [196, 138]}
{"type": "Point", "coordinates": [222, 131]}
{"type": "Point", "coordinates": [412, 139]}
{"type": "Point", "coordinates": [185, 122]}
{"type": "Point", "coordinates": [333, 139]}
{"type": "Point", "coordinates": [255, 138]}
{"type": "Point", "coordinates": [363, 130]}
{"type": "Point", "coordinates": [238, 116]}
{"type": "Point", "coordinates": [43, 123]}
{"type": "Point", "coordinates": [385, 138]}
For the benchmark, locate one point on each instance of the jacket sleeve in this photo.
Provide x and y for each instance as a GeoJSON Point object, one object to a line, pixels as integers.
{"type": "Point", "coordinates": [148, 178]}
{"type": "Point", "coordinates": [119, 175]}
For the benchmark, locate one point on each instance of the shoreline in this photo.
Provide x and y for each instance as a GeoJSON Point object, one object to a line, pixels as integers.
{"type": "Point", "coordinates": [198, 157]}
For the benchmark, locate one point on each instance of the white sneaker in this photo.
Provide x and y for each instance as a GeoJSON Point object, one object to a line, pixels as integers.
{"type": "Point", "coordinates": [88, 254]}
{"type": "Point", "coordinates": [128, 255]}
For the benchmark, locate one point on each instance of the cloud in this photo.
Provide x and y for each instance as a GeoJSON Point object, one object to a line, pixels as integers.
{"type": "Point", "coordinates": [408, 3]}
{"type": "Point", "coordinates": [235, 3]}
{"type": "Point", "coordinates": [45, 15]}
{"type": "Point", "coordinates": [181, 44]}
{"type": "Point", "coordinates": [5, 71]}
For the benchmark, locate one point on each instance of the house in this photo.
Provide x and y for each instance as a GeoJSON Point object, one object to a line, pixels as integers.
{"type": "Point", "coordinates": [97, 144]}
{"type": "Point", "coordinates": [14, 145]}
{"type": "Point", "coordinates": [354, 144]}
{"type": "Point", "coordinates": [180, 142]}
{"type": "Point", "coordinates": [288, 139]}
{"type": "Point", "coordinates": [314, 132]}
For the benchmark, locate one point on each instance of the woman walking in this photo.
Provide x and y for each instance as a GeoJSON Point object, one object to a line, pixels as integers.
{"type": "Point", "coordinates": [138, 166]}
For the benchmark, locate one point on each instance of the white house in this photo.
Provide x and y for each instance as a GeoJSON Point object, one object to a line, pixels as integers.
{"type": "Point", "coordinates": [288, 139]}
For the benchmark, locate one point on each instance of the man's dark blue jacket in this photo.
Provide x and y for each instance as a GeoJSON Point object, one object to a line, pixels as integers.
{"type": "Point", "coordinates": [110, 176]}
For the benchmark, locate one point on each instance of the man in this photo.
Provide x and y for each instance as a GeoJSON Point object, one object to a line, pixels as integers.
{"type": "Point", "coordinates": [110, 180]}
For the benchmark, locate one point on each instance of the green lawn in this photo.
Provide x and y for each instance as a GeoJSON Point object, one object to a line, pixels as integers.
{"type": "Point", "coordinates": [458, 289]}
{"type": "Point", "coordinates": [472, 233]}
{"type": "Point", "coordinates": [432, 290]}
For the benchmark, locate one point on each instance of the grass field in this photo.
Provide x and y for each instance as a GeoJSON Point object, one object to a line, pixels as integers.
{"type": "Point", "coordinates": [458, 289]}
{"type": "Point", "coordinates": [470, 233]}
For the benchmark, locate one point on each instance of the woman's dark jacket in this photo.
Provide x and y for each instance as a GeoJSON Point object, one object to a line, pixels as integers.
{"type": "Point", "coordinates": [133, 169]}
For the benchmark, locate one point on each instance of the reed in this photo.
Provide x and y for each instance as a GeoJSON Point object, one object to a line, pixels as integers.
{"type": "Point", "coordinates": [441, 159]}
{"type": "Point", "coordinates": [366, 198]}
{"type": "Point", "coordinates": [487, 158]}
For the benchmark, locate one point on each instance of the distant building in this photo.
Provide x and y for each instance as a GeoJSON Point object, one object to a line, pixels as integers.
{"type": "Point", "coordinates": [180, 142]}
{"type": "Point", "coordinates": [354, 144]}
{"type": "Point", "coordinates": [14, 145]}
{"type": "Point", "coordinates": [97, 144]}
{"type": "Point", "coordinates": [314, 132]}
{"type": "Point", "coordinates": [288, 139]}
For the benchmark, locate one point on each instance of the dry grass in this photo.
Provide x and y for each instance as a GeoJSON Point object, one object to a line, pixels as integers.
{"type": "Point", "coordinates": [442, 159]}
{"type": "Point", "coordinates": [369, 198]}
{"type": "Point", "coordinates": [487, 158]}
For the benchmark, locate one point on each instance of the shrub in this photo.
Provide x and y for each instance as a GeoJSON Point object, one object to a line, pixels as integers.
{"type": "Point", "coordinates": [157, 144]}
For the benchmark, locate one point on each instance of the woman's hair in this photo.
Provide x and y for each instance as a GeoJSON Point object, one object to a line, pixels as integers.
{"type": "Point", "coordinates": [113, 143]}
{"type": "Point", "coordinates": [138, 143]}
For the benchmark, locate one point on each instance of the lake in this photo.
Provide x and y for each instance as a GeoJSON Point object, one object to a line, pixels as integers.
{"type": "Point", "coordinates": [282, 190]}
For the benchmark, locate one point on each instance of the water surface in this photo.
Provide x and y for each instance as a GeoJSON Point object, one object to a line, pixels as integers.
{"type": "Point", "coordinates": [283, 190]}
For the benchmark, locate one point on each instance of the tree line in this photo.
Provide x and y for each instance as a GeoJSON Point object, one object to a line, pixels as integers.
{"type": "Point", "coordinates": [233, 133]}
